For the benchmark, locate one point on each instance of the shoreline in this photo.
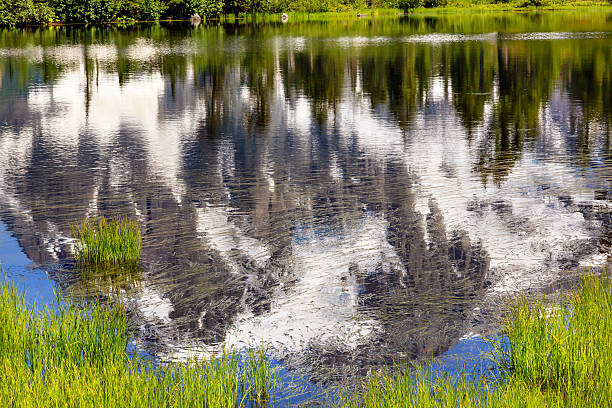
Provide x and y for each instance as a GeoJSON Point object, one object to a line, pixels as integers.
{"type": "Point", "coordinates": [300, 16]}
{"type": "Point", "coordinates": [532, 362]}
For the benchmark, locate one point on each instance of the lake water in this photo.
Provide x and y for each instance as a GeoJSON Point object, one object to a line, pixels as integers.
{"type": "Point", "coordinates": [349, 192]}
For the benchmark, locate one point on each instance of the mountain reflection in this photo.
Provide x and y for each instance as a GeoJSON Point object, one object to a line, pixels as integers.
{"type": "Point", "coordinates": [338, 190]}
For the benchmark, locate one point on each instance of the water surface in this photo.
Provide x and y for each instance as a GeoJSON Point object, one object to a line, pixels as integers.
{"type": "Point", "coordinates": [350, 193]}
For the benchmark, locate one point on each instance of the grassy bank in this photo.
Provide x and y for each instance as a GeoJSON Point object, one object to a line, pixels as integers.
{"type": "Point", "coordinates": [557, 355]}
{"type": "Point", "coordinates": [77, 357]}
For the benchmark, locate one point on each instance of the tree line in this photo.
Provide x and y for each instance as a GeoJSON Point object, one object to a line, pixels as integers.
{"type": "Point", "coordinates": [39, 12]}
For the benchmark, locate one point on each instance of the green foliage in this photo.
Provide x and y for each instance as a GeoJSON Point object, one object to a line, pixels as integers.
{"type": "Point", "coordinates": [77, 357]}
{"type": "Point", "coordinates": [87, 11]}
{"type": "Point", "coordinates": [144, 10]}
{"type": "Point", "coordinates": [409, 4]}
{"type": "Point", "coordinates": [24, 12]}
{"type": "Point", "coordinates": [277, 6]}
{"type": "Point", "coordinates": [204, 8]}
{"type": "Point", "coordinates": [535, 3]}
{"type": "Point", "coordinates": [114, 242]}
{"type": "Point", "coordinates": [434, 3]}
{"type": "Point", "coordinates": [235, 6]}
{"type": "Point", "coordinates": [33, 12]}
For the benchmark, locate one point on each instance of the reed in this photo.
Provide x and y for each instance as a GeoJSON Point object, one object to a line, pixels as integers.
{"type": "Point", "coordinates": [556, 355]}
{"type": "Point", "coordinates": [76, 357]}
{"type": "Point", "coordinates": [109, 242]}
{"type": "Point", "coordinates": [564, 349]}
{"type": "Point", "coordinates": [260, 386]}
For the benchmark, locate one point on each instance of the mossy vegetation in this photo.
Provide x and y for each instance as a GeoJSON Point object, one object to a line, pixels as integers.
{"type": "Point", "coordinates": [74, 356]}
{"type": "Point", "coordinates": [114, 242]}
{"type": "Point", "coordinates": [553, 355]}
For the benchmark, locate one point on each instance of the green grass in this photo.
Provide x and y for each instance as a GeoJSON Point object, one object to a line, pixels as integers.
{"type": "Point", "coordinates": [113, 242]}
{"type": "Point", "coordinates": [77, 357]}
{"type": "Point", "coordinates": [559, 355]}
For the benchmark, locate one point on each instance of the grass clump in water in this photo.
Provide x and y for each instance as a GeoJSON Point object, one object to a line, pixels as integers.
{"type": "Point", "coordinates": [260, 381]}
{"type": "Point", "coordinates": [72, 356]}
{"type": "Point", "coordinates": [109, 242]}
{"type": "Point", "coordinates": [557, 355]}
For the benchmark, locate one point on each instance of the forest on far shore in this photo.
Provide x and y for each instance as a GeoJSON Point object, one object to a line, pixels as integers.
{"type": "Point", "coordinates": [14, 13]}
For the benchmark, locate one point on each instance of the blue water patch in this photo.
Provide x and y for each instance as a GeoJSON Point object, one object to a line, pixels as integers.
{"type": "Point", "coordinates": [296, 390]}
{"type": "Point", "coordinates": [20, 270]}
{"type": "Point", "coordinates": [470, 357]}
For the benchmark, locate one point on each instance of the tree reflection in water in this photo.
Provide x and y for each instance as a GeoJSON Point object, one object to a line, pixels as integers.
{"type": "Point", "coordinates": [353, 190]}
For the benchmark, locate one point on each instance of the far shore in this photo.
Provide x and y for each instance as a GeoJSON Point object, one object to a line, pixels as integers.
{"type": "Point", "coordinates": [347, 13]}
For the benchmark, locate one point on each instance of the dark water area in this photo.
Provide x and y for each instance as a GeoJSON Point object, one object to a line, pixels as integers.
{"type": "Point", "coordinates": [350, 193]}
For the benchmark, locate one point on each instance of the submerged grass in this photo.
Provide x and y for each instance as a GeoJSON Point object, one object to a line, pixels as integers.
{"type": "Point", "coordinates": [109, 242]}
{"type": "Point", "coordinates": [77, 357]}
{"type": "Point", "coordinates": [557, 355]}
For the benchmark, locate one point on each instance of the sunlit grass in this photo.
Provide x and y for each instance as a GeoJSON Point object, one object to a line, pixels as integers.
{"type": "Point", "coordinates": [109, 242]}
{"type": "Point", "coordinates": [557, 355]}
{"type": "Point", "coordinates": [77, 357]}
{"type": "Point", "coordinates": [260, 379]}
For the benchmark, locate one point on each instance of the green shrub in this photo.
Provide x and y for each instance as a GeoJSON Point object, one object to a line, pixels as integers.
{"type": "Point", "coordinates": [144, 10]}
{"type": "Point", "coordinates": [235, 6]}
{"type": "Point", "coordinates": [87, 11]}
{"type": "Point", "coordinates": [434, 3]}
{"type": "Point", "coordinates": [317, 6]}
{"type": "Point", "coordinates": [535, 3]}
{"type": "Point", "coordinates": [277, 6]}
{"type": "Point", "coordinates": [408, 4]}
{"type": "Point", "coordinates": [386, 4]}
{"type": "Point", "coordinates": [205, 8]}
{"type": "Point", "coordinates": [24, 12]}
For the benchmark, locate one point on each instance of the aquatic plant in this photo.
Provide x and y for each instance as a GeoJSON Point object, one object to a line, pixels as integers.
{"type": "Point", "coordinates": [555, 355]}
{"type": "Point", "coordinates": [260, 382]}
{"type": "Point", "coordinates": [77, 356]}
{"type": "Point", "coordinates": [563, 349]}
{"type": "Point", "coordinates": [114, 242]}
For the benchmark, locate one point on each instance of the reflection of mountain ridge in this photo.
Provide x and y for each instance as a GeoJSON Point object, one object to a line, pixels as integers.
{"type": "Point", "coordinates": [281, 187]}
